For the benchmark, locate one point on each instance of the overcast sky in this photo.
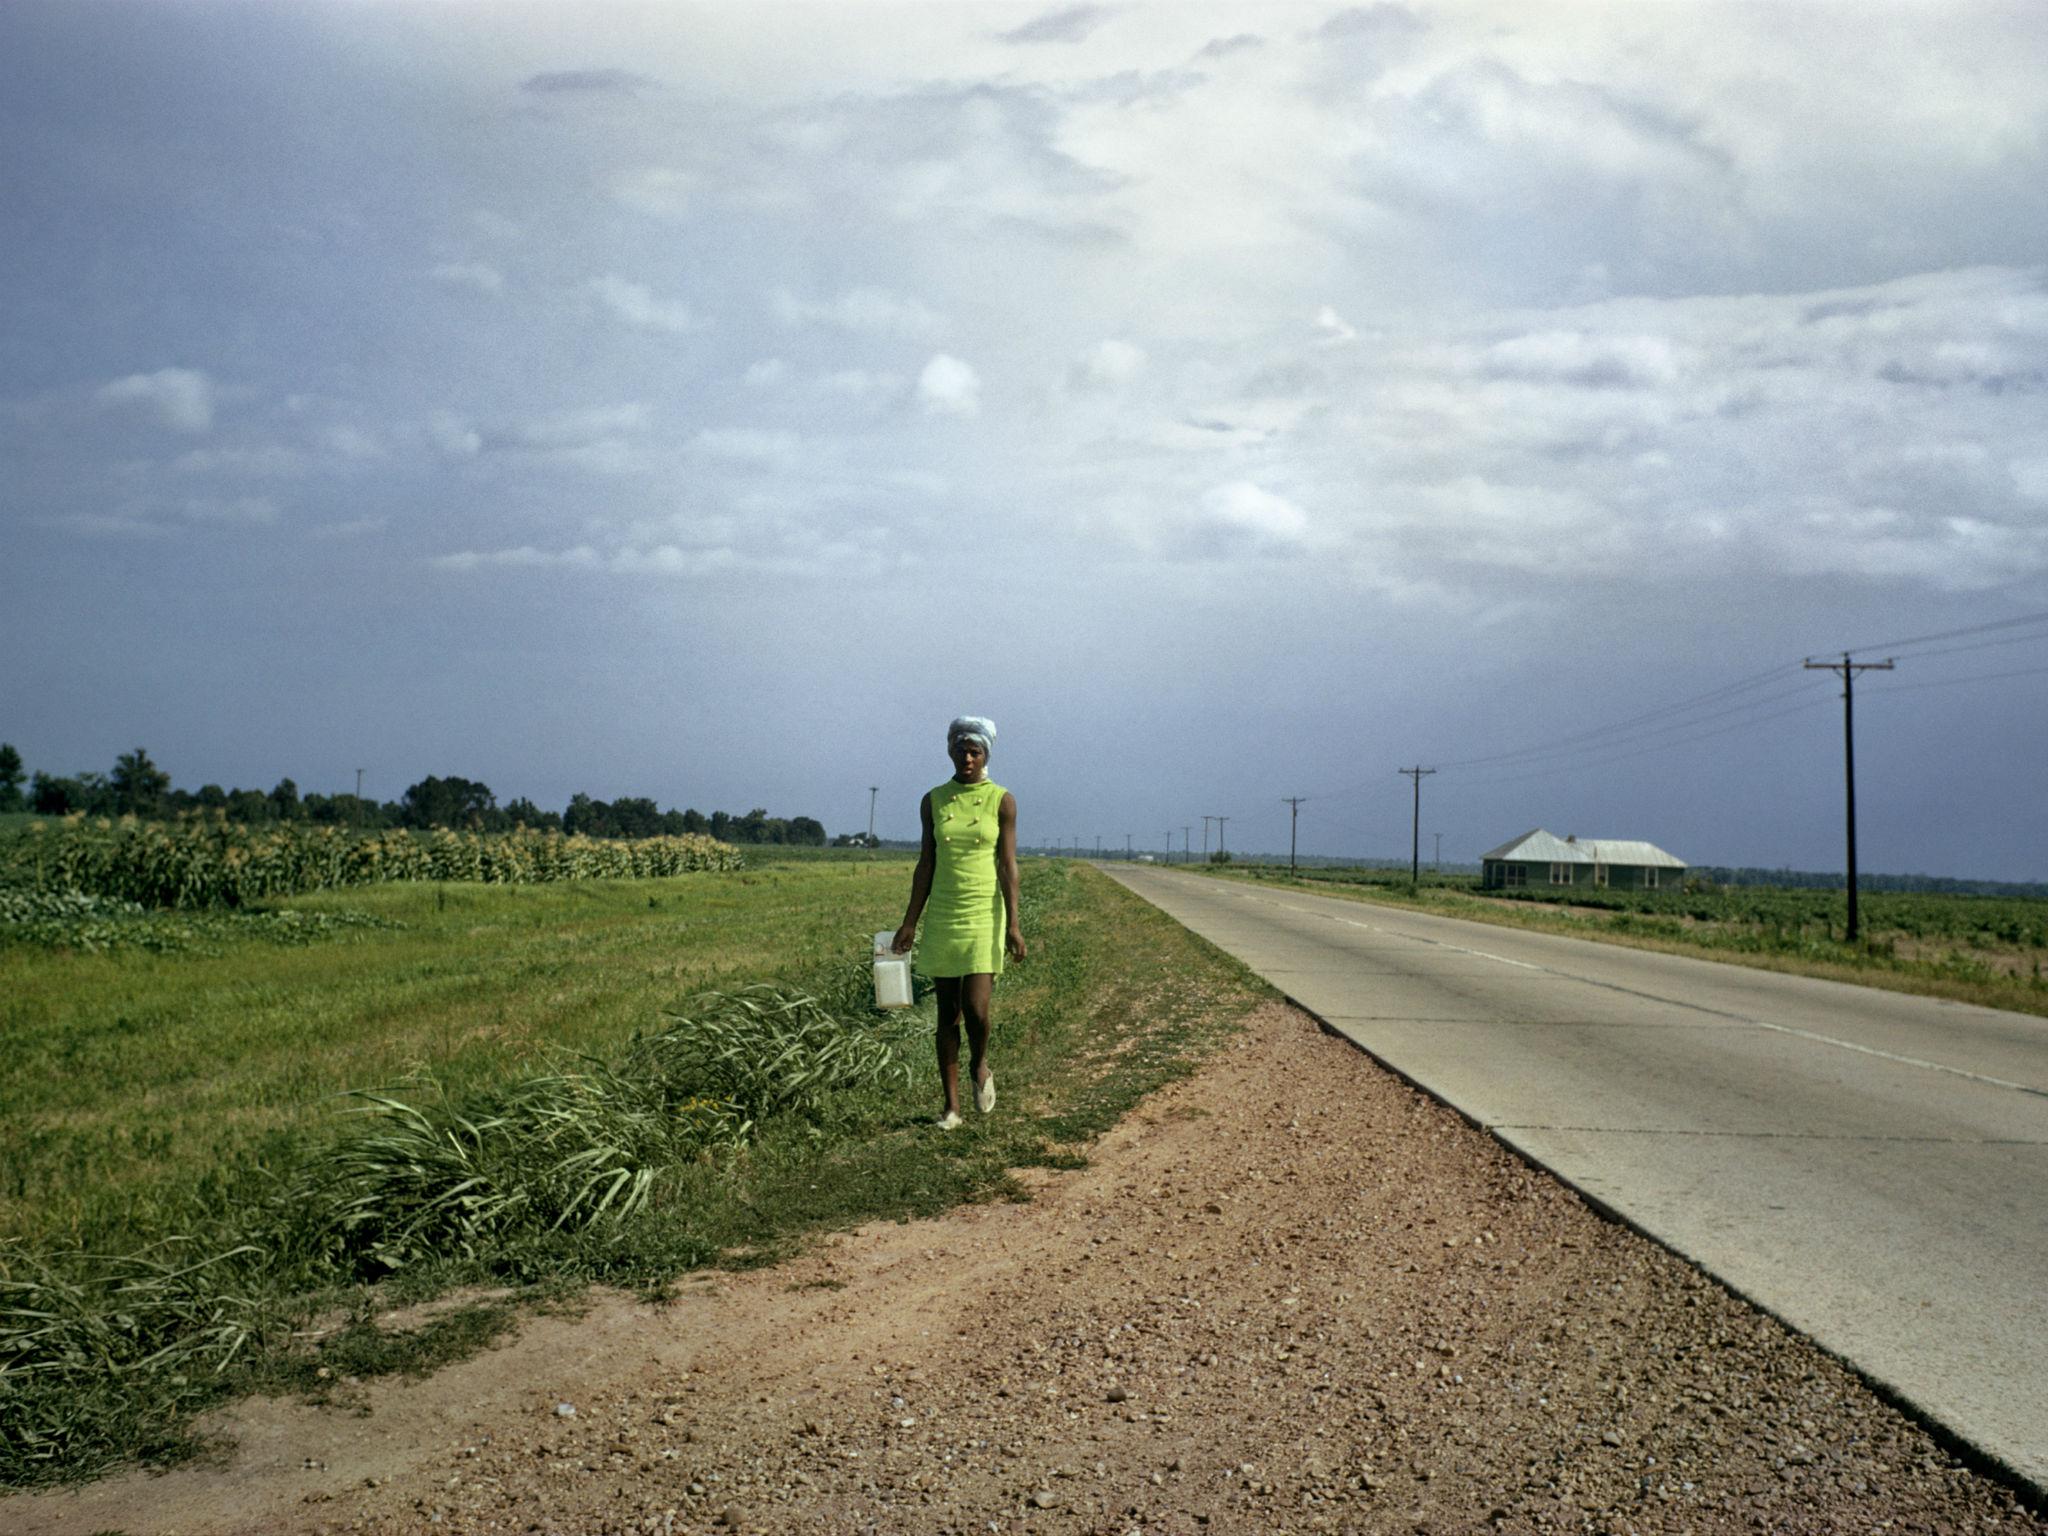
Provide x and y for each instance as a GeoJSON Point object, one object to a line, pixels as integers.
{"type": "Point", "coordinates": [1232, 401]}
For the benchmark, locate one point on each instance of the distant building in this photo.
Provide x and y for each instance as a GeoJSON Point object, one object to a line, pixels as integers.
{"type": "Point", "coordinates": [1537, 858]}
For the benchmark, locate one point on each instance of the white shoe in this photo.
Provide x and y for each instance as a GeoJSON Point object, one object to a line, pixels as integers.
{"type": "Point", "coordinates": [949, 1122]}
{"type": "Point", "coordinates": [985, 1094]}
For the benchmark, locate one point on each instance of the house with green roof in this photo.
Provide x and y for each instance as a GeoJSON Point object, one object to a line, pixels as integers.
{"type": "Point", "coordinates": [1540, 858]}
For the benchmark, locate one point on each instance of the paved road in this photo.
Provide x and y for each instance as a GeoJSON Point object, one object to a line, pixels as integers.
{"type": "Point", "coordinates": [1870, 1166]}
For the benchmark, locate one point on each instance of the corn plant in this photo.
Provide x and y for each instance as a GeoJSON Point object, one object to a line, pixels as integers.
{"type": "Point", "coordinates": [207, 861]}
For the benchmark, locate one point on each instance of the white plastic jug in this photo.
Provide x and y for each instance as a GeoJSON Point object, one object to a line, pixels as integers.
{"type": "Point", "coordinates": [892, 973]}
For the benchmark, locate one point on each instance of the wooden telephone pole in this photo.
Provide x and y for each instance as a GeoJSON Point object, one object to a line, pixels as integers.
{"type": "Point", "coordinates": [1847, 669]}
{"type": "Point", "coordinates": [1418, 773]}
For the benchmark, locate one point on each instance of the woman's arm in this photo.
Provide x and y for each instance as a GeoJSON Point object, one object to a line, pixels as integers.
{"type": "Point", "coordinates": [1006, 871]}
{"type": "Point", "coordinates": [920, 880]}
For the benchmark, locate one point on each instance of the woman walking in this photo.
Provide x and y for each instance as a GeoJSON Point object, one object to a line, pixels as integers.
{"type": "Point", "coordinates": [965, 888]}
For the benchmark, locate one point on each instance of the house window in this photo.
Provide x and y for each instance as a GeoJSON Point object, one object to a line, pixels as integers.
{"type": "Point", "coordinates": [1649, 879]}
{"type": "Point", "coordinates": [1514, 874]}
{"type": "Point", "coordinates": [1560, 874]}
{"type": "Point", "coordinates": [1599, 874]}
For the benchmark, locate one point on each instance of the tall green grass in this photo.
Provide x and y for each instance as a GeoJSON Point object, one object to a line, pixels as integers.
{"type": "Point", "coordinates": [717, 1129]}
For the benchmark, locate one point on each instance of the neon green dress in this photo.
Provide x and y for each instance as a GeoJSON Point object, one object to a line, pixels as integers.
{"type": "Point", "coordinates": [965, 917]}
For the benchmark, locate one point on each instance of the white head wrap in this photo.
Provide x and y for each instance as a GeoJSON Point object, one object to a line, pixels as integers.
{"type": "Point", "coordinates": [973, 728]}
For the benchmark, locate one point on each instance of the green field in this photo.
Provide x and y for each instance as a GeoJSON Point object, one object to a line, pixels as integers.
{"type": "Point", "coordinates": [199, 1096]}
{"type": "Point", "coordinates": [129, 1075]}
{"type": "Point", "coordinates": [1979, 949]}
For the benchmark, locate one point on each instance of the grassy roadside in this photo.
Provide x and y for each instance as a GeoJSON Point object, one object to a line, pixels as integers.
{"type": "Point", "coordinates": [1116, 1001]}
{"type": "Point", "coordinates": [132, 1077]}
{"type": "Point", "coordinates": [1956, 978]}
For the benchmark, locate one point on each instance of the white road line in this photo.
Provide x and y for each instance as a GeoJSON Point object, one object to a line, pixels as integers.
{"type": "Point", "coordinates": [1910, 1061]}
{"type": "Point", "coordinates": [1330, 917]}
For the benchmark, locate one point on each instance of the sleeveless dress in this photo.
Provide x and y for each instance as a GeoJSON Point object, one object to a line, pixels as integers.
{"type": "Point", "coordinates": [965, 917]}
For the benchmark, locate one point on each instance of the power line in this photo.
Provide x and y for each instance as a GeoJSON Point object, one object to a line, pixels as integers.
{"type": "Point", "coordinates": [1802, 707]}
{"type": "Point", "coordinates": [1944, 682]}
{"type": "Point", "coordinates": [1975, 645]}
{"type": "Point", "coordinates": [1896, 646]}
{"type": "Point", "coordinates": [1712, 696]}
{"type": "Point", "coordinates": [1568, 752]}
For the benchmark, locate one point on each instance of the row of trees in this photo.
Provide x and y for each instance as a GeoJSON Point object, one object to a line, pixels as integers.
{"type": "Point", "coordinates": [138, 787]}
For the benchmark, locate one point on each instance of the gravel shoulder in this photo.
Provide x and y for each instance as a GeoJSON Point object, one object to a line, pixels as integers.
{"type": "Point", "coordinates": [1289, 1293]}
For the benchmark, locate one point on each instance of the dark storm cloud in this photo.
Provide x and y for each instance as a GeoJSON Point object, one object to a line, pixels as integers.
{"type": "Point", "coordinates": [606, 82]}
{"type": "Point", "coordinates": [1071, 25]}
{"type": "Point", "coordinates": [1223, 47]}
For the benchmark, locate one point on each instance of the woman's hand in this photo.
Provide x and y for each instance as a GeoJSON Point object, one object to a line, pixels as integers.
{"type": "Point", "coordinates": [1016, 942]}
{"type": "Point", "coordinates": [905, 937]}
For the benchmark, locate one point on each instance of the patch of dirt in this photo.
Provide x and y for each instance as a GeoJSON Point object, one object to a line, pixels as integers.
{"type": "Point", "coordinates": [1290, 1294]}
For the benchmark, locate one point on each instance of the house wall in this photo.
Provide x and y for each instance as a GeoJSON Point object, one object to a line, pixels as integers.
{"type": "Point", "coordinates": [1620, 877]}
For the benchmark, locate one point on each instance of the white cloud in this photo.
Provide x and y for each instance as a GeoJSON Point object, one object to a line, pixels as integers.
{"type": "Point", "coordinates": [661, 192]}
{"type": "Point", "coordinates": [112, 525]}
{"type": "Point", "coordinates": [351, 442]}
{"type": "Point", "coordinates": [1334, 327]}
{"type": "Point", "coordinates": [766, 373]}
{"type": "Point", "coordinates": [470, 274]}
{"type": "Point", "coordinates": [923, 481]}
{"type": "Point", "coordinates": [872, 310]}
{"type": "Point", "coordinates": [746, 444]}
{"type": "Point", "coordinates": [454, 436]}
{"type": "Point", "coordinates": [262, 461]}
{"type": "Point", "coordinates": [2030, 478]}
{"type": "Point", "coordinates": [635, 304]}
{"type": "Point", "coordinates": [1108, 365]}
{"type": "Point", "coordinates": [655, 560]}
{"type": "Point", "coordinates": [349, 528]}
{"type": "Point", "coordinates": [240, 511]}
{"type": "Point", "coordinates": [1573, 357]}
{"type": "Point", "coordinates": [863, 386]}
{"type": "Point", "coordinates": [949, 387]}
{"type": "Point", "coordinates": [1244, 508]}
{"type": "Point", "coordinates": [583, 427]}
{"type": "Point", "coordinates": [181, 398]}
{"type": "Point", "coordinates": [523, 555]}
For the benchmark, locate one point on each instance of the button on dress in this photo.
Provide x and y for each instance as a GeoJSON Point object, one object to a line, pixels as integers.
{"type": "Point", "coordinates": [965, 917]}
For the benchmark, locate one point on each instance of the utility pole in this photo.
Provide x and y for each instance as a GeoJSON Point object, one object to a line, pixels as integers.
{"type": "Point", "coordinates": [1418, 773]}
{"type": "Point", "coordinates": [1187, 843]}
{"type": "Point", "coordinates": [1098, 845]}
{"type": "Point", "coordinates": [1169, 845]}
{"type": "Point", "coordinates": [1219, 832]}
{"type": "Point", "coordinates": [1437, 864]}
{"type": "Point", "coordinates": [873, 790]}
{"type": "Point", "coordinates": [1128, 855]}
{"type": "Point", "coordinates": [1293, 815]}
{"type": "Point", "coordinates": [359, 783]}
{"type": "Point", "coordinates": [1847, 669]}
{"type": "Point", "coordinates": [1205, 837]}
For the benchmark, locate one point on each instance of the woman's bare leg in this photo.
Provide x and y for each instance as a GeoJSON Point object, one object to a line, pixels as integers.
{"type": "Point", "coordinates": [976, 995]}
{"type": "Point", "coordinates": [948, 989]}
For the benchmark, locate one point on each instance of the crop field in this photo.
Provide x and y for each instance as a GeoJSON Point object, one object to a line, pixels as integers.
{"type": "Point", "coordinates": [393, 1089]}
{"type": "Point", "coordinates": [1983, 949]}
{"type": "Point", "coordinates": [208, 861]}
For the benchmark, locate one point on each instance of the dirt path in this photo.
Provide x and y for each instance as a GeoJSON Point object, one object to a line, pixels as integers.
{"type": "Point", "coordinates": [1289, 1294]}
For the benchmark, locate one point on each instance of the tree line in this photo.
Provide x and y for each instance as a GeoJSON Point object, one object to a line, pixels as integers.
{"type": "Point", "coordinates": [136, 786]}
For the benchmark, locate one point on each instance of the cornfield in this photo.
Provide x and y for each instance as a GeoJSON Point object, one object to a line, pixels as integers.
{"type": "Point", "coordinates": [211, 862]}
